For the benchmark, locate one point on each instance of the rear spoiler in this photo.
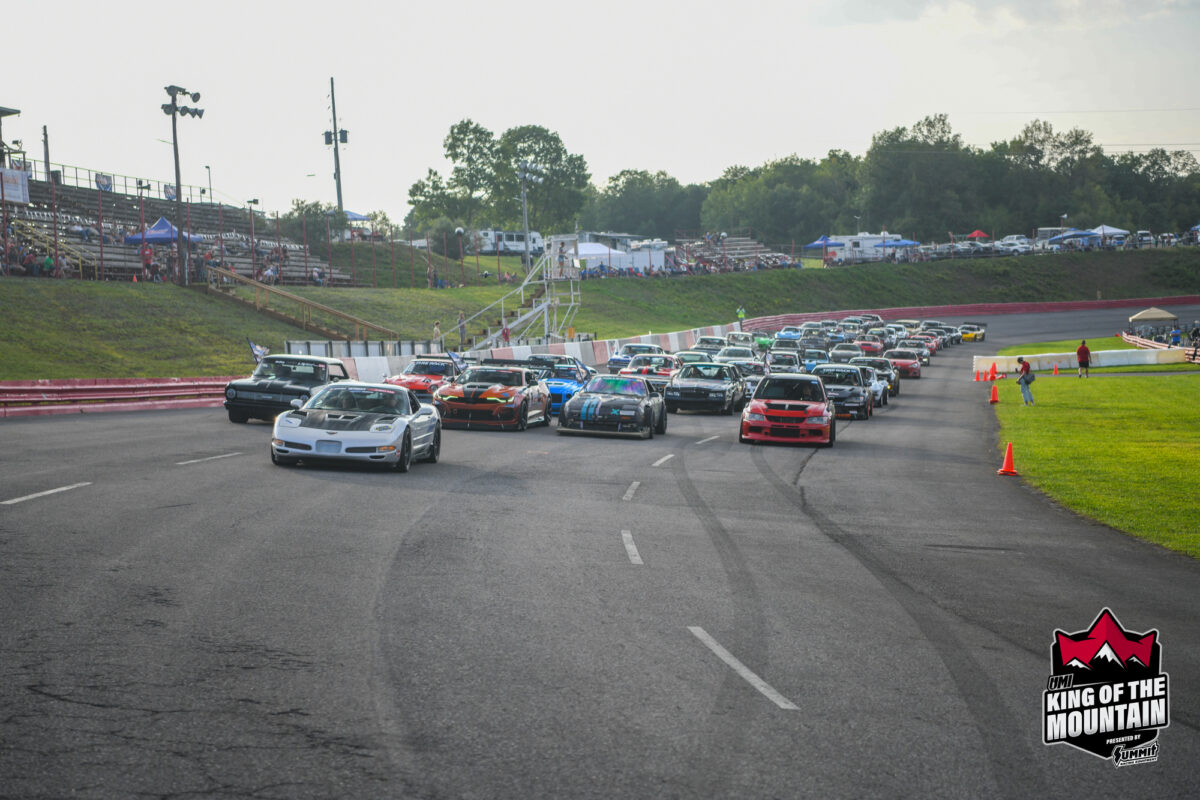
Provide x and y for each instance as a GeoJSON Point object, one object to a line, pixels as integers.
{"type": "Point", "coordinates": [543, 368]}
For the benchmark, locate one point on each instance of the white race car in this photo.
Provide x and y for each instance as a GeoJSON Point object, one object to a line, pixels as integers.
{"type": "Point", "coordinates": [375, 423]}
{"type": "Point", "coordinates": [878, 384]}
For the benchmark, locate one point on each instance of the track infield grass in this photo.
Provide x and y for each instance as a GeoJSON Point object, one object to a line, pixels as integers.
{"type": "Point", "coordinates": [1123, 450]}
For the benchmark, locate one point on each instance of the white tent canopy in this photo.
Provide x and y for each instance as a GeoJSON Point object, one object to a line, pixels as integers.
{"type": "Point", "coordinates": [1108, 230]}
{"type": "Point", "coordinates": [1153, 314]}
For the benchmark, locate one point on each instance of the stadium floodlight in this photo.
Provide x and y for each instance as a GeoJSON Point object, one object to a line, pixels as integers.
{"type": "Point", "coordinates": [173, 109]}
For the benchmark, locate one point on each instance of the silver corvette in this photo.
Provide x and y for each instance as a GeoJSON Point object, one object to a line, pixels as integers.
{"type": "Point", "coordinates": [374, 423]}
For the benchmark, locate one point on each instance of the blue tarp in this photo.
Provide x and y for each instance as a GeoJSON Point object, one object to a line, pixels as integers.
{"type": "Point", "coordinates": [1074, 234]}
{"type": "Point", "coordinates": [822, 243]}
{"type": "Point", "coordinates": [161, 232]}
{"type": "Point", "coordinates": [898, 243]}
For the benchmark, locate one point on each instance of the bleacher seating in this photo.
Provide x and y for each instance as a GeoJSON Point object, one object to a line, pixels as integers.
{"type": "Point", "coordinates": [81, 208]}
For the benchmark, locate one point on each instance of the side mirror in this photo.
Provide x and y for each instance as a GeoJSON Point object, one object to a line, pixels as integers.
{"type": "Point", "coordinates": [424, 410]}
{"type": "Point", "coordinates": [296, 402]}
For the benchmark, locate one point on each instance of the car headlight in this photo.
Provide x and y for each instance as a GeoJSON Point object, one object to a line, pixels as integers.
{"type": "Point", "coordinates": [673, 392]}
{"type": "Point", "coordinates": [821, 420]}
{"type": "Point", "coordinates": [230, 392]}
{"type": "Point", "coordinates": [752, 417]}
{"type": "Point", "coordinates": [382, 427]}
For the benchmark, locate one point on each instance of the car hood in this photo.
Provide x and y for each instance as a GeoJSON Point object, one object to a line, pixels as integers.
{"type": "Point", "coordinates": [475, 391]}
{"type": "Point", "coordinates": [274, 386]}
{"type": "Point", "coordinates": [698, 383]}
{"type": "Point", "coordinates": [331, 420]}
{"type": "Point", "coordinates": [591, 404]}
{"type": "Point", "coordinates": [812, 408]}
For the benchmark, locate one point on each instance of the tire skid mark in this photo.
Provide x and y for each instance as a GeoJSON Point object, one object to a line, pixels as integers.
{"type": "Point", "coordinates": [725, 732]}
{"type": "Point", "coordinates": [1003, 739]}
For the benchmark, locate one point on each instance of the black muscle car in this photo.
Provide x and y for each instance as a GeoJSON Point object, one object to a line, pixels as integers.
{"type": "Point", "coordinates": [276, 382]}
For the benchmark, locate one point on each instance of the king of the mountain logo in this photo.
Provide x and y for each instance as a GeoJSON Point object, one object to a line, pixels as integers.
{"type": "Point", "coordinates": [1107, 694]}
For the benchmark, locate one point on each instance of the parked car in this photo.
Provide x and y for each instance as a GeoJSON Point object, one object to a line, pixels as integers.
{"type": "Point", "coordinates": [789, 409]}
{"type": "Point", "coordinates": [706, 387]}
{"type": "Point", "coordinates": [617, 405]}
{"type": "Point", "coordinates": [276, 382]}
{"type": "Point", "coordinates": [366, 423]}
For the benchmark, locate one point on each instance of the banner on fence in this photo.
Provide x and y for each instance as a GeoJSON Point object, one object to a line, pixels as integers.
{"type": "Point", "coordinates": [16, 185]}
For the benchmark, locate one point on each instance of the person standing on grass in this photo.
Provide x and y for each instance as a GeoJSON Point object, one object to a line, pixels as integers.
{"type": "Point", "coordinates": [1084, 356]}
{"type": "Point", "coordinates": [462, 331]}
{"type": "Point", "coordinates": [1024, 378]}
{"type": "Point", "coordinates": [437, 335]}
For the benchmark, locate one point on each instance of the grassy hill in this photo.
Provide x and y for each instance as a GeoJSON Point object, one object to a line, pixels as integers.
{"type": "Point", "coordinates": [73, 329]}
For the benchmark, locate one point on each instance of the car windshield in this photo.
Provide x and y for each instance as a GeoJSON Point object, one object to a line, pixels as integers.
{"type": "Point", "coordinates": [902, 355]}
{"type": "Point", "coordinates": [650, 361]}
{"type": "Point", "coordinates": [297, 371]}
{"type": "Point", "coordinates": [750, 367]}
{"type": "Point", "coordinates": [783, 358]}
{"type": "Point", "coordinates": [710, 341]}
{"type": "Point", "coordinates": [815, 354]}
{"type": "Point", "coordinates": [686, 357]}
{"type": "Point", "coordinates": [841, 377]}
{"type": "Point", "coordinates": [427, 368]}
{"type": "Point", "coordinates": [780, 389]}
{"type": "Point", "coordinates": [504, 377]}
{"type": "Point", "coordinates": [566, 372]}
{"type": "Point", "coordinates": [613, 384]}
{"type": "Point", "coordinates": [705, 372]}
{"type": "Point", "coordinates": [361, 399]}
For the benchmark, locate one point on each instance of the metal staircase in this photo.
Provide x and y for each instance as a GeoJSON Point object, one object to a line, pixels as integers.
{"type": "Point", "coordinates": [543, 307]}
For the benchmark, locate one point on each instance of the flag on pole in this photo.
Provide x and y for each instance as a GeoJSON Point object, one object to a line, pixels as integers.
{"type": "Point", "coordinates": [258, 351]}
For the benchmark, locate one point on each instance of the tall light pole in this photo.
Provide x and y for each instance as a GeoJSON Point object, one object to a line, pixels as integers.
{"type": "Point", "coordinates": [173, 110]}
{"type": "Point", "coordinates": [527, 173]}
{"type": "Point", "coordinates": [208, 169]}
{"type": "Point", "coordinates": [333, 137]}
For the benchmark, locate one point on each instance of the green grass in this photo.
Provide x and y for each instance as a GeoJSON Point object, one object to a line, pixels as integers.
{"type": "Point", "coordinates": [73, 329]}
{"type": "Point", "coordinates": [1104, 343]}
{"type": "Point", "coordinates": [1122, 450]}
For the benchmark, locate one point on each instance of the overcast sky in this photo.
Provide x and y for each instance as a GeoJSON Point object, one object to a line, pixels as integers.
{"type": "Point", "coordinates": [686, 87]}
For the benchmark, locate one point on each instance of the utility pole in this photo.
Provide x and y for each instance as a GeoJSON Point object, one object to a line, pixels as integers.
{"type": "Point", "coordinates": [333, 138]}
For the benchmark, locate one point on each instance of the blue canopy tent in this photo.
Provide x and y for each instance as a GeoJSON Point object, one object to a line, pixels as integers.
{"type": "Point", "coordinates": [161, 232]}
{"type": "Point", "coordinates": [1074, 233]}
{"type": "Point", "coordinates": [355, 217]}
{"type": "Point", "coordinates": [822, 243]}
{"type": "Point", "coordinates": [898, 243]}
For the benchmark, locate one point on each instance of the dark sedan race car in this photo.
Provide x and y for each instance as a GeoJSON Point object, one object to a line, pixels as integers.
{"type": "Point", "coordinates": [706, 387]}
{"type": "Point", "coordinates": [789, 408]}
{"type": "Point", "coordinates": [276, 382]}
{"type": "Point", "coordinates": [619, 405]}
{"type": "Point", "coordinates": [494, 397]}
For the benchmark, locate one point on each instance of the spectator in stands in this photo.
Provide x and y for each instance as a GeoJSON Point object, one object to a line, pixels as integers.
{"type": "Point", "coordinates": [30, 264]}
{"type": "Point", "coordinates": [271, 276]}
{"type": "Point", "coordinates": [60, 266]}
{"type": "Point", "coordinates": [48, 265]}
{"type": "Point", "coordinates": [317, 277]}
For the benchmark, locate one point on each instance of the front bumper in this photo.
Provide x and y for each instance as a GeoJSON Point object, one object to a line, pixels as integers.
{"type": "Point", "coordinates": [360, 448]}
{"type": "Point", "coordinates": [467, 416]}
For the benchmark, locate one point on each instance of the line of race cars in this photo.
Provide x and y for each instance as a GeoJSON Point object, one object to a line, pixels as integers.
{"type": "Point", "coordinates": [790, 386]}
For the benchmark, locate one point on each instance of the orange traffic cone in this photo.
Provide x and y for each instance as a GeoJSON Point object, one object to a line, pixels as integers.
{"type": "Point", "coordinates": [992, 372]}
{"type": "Point", "coordinates": [995, 394]}
{"type": "Point", "coordinates": [1055, 367]}
{"type": "Point", "coordinates": [1007, 467]}
{"type": "Point", "coordinates": [977, 376]}
{"type": "Point", "coordinates": [135, 278]}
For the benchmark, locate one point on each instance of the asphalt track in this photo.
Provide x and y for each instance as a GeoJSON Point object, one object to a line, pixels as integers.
{"type": "Point", "coordinates": [541, 617]}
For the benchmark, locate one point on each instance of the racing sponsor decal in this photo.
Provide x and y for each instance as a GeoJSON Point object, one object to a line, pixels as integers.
{"type": "Point", "coordinates": [1107, 694]}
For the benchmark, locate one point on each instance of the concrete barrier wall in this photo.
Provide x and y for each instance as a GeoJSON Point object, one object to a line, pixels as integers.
{"type": "Point", "coordinates": [1067, 361]}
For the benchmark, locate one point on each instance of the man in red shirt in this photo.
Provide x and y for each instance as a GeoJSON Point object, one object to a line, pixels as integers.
{"type": "Point", "coordinates": [1023, 380]}
{"type": "Point", "coordinates": [1084, 356]}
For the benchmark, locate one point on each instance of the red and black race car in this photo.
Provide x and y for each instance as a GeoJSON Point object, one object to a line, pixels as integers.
{"type": "Point", "coordinates": [657, 368]}
{"type": "Point", "coordinates": [789, 408]}
{"type": "Point", "coordinates": [494, 397]}
{"type": "Point", "coordinates": [424, 375]}
{"type": "Point", "coordinates": [906, 362]}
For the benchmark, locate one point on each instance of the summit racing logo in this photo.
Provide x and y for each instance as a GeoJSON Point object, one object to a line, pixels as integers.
{"type": "Point", "coordinates": [1107, 693]}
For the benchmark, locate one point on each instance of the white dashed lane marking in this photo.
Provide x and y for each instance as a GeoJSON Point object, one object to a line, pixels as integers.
{"type": "Point", "coordinates": [16, 500]}
{"type": "Point", "coordinates": [663, 460]}
{"type": "Point", "coordinates": [741, 669]}
{"type": "Point", "coordinates": [210, 458]}
{"type": "Point", "coordinates": [709, 439]}
{"type": "Point", "coordinates": [631, 548]}
{"type": "Point", "coordinates": [629, 492]}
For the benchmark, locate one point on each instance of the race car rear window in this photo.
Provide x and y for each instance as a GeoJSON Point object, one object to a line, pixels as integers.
{"type": "Point", "coordinates": [777, 389]}
{"type": "Point", "coordinates": [427, 368]}
{"type": "Point", "coordinates": [612, 384]}
{"type": "Point", "coordinates": [504, 377]}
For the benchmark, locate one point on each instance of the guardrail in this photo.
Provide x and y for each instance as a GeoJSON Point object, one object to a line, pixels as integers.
{"type": "Point", "coordinates": [85, 396]}
{"type": "Point", "coordinates": [1191, 352]}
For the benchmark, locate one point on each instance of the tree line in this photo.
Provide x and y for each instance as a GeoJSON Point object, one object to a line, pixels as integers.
{"type": "Point", "coordinates": [921, 181]}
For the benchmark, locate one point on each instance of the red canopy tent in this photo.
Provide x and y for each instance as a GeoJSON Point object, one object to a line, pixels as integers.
{"type": "Point", "coordinates": [977, 234]}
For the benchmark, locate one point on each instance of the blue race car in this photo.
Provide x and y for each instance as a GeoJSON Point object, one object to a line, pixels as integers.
{"type": "Point", "coordinates": [564, 380]}
{"type": "Point", "coordinates": [812, 357]}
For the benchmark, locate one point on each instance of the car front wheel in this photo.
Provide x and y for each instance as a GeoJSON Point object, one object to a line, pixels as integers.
{"type": "Point", "coordinates": [239, 417]}
{"type": "Point", "coordinates": [404, 457]}
{"type": "Point", "coordinates": [435, 446]}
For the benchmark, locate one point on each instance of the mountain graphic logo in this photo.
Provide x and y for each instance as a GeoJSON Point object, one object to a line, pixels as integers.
{"type": "Point", "coordinates": [1107, 694]}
